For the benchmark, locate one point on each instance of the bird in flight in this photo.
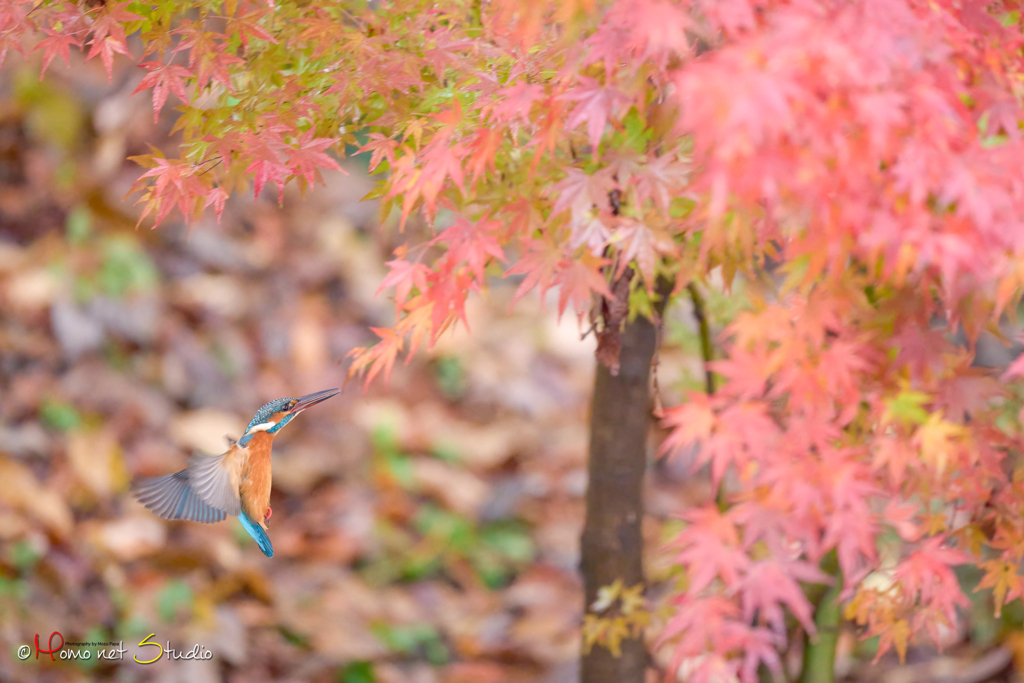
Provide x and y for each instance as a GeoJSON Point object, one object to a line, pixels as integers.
{"type": "Point", "coordinates": [236, 482]}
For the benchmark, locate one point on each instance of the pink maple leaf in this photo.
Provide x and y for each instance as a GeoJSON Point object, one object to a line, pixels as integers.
{"type": "Point", "coordinates": [595, 103]}
{"type": "Point", "coordinates": [56, 44]}
{"type": "Point", "coordinates": [772, 584]}
{"type": "Point", "coordinates": [472, 242]}
{"type": "Point", "coordinates": [163, 79]}
{"type": "Point", "coordinates": [309, 156]}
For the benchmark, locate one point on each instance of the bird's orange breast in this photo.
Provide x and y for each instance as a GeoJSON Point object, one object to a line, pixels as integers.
{"type": "Point", "coordinates": [255, 490]}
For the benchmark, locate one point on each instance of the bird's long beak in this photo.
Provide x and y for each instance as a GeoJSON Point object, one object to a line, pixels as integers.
{"type": "Point", "coordinates": [308, 400]}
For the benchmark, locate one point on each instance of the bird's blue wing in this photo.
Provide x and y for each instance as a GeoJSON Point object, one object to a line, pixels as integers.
{"type": "Point", "coordinates": [258, 534]}
{"type": "Point", "coordinates": [172, 497]}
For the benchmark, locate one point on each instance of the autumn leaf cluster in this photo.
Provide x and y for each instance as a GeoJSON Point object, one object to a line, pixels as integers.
{"type": "Point", "coordinates": [856, 162]}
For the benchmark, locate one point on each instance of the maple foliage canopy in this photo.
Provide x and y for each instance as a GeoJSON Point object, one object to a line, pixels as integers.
{"type": "Point", "coordinates": [870, 147]}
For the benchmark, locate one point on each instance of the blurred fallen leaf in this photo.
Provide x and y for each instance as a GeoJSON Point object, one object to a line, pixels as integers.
{"type": "Point", "coordinates": [473, 672]}
{"type": "Point", "coordinates": [32, 289]}
{"type": "Point", "coordinates": [220, 294]}
{"type": "Point", "coordinates": [12, 526]}
{"type": "Point", "coordinates": [381, 413]}
{"type": "Point", "coordinates": [11, 256]}
{"type": "Point", "coordinates": [20, 490]}
{"type": "Point", "coordinates": [205, 429]}
{"type": "Point", "coordinates": [133, 537]}
{"type": "Point", "coordinates": [77, 331]}
{"type": "Point", "coordinates": [459, 490]}
{"type": "Point", "coordinates": [96, 458]}
{"type": "Point", "coordinates": [243, 580]}
{"type": "Point", "coordinates": [308, 339]}
{"type": "Point", "coordinates": [479, 446]}
{"type": "Point", "coordinates": [229, 640]}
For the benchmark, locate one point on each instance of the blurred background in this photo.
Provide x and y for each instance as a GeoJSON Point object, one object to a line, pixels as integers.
{"type": "Point", "coordinates": [425, 531]}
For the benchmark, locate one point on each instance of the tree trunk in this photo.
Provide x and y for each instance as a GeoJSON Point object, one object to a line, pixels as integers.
{"type": "Point", "coordinates": [612, 543]}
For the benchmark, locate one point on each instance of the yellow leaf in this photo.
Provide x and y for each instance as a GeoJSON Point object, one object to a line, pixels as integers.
{"type": "Point", "coordinates": [1015, 641]}
{"type": "Point", "coordinates": [938, 441]}
{"type": "Point", "coordinates": [415, 131]}
{"type": "Point", "coordinates": [974, 537]}
{"type": "Point", "coordinates": [936, 523]}
{"type": "Point", "coordinates": [638, 622]}
{"type": "Point", "coordinates": [905, 262]}
{"type": "Point", "coordinates": [1002, 578]}
{"type": "Point", "coordinates": [594, 628]}
{"type": "Point", "coordinates": [851, 613]}
{"type": "Point", "coordinates": [606, 595]}
{"type": "Point", "coordinates": [900, 635]}
{"type": "Point", "coordinates": [617, 630]}
{"type": "Point", "coordinates": [632, 599]}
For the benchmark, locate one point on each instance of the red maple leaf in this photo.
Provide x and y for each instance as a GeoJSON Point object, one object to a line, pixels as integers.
{"type": "Point", "coordinates": [56, 44]}
{"type": "Point", "coordinates": [579, 280]}
{"type": "Point", "coordinates": [689, 423]}
{"type": "Point", "coordinates": [105, 48]}
{"type": "Point", "coordinates": [176, 184]}
{"type": "Point", "coordinates": [382, 147]}
{"type": "Point", "coordinates": [657, 30]}
{"type": "Point", "coordinates": [482, 151]}
{"type": "Point", "coordinates": [538, 264]}
{"type": "Point", "coordinates": [440, 162]}
{"type": "Point", "coordinates": [445, 50]}
{"type": "Point", "coordinates": [580, 191]}
{"type": "Point", "coordinates": [472, 242]}
{"type": "Point", "coordinates": [380, 356]}
{"type": "Point", "coordinates": [595, 103]}
{"type": "Point", "coordinates": [322, 31]}
{"type": "Point", "coordinates": [403, 276]}
{"type": "Point", "coordinates": [660, 179]}
{"type": "Point", "coordinates": [163, 79]}
{"type": "Point", "coordinates": [744, 433]}
{"type": "Point", "coordinates": [267, 165]}
{"type": "Point", "coordinates": [747, 372]}
{"type": "Point", "coordinates": [770, 585]}
{"type": "Point", "coordinates": [267, 170]}
{"type": "Point", "coordinates": [108, 34]}
{"type": "Point", "coordinates": [246, 23]}
{"type": "Point", "coordinates": [710, 546]}
{"type": "Point", "coordinates": [207, 56]}
{"type": "Point", "coordinates": [447, 288]}
{"type": "Point", "coordinates": [309, 156]}
{"type": "Point", "coordinates": [642, 245]}
{"type": "Point", "coordinates": [512, 102]}
{"type": "Point", "coordinates": [217, 198]}
{"type": "Point", "coordinates": [927, 575]}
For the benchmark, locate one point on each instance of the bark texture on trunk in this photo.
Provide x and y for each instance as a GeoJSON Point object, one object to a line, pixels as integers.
{"type": "Point", "coordinates": [612, 543]}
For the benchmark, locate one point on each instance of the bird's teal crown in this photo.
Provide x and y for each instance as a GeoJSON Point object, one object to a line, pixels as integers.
{"type": "Point", "coordinates": [263, 415]}
{"type": "Point", "coordinates": [266, 412]}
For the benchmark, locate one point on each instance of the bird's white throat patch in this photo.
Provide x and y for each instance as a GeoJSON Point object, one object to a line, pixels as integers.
{"type": "Point", "coordinates": [262, 427]}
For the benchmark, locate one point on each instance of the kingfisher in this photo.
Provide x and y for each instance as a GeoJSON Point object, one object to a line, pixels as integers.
{"type": "Point", "coordinates": [236, 482]}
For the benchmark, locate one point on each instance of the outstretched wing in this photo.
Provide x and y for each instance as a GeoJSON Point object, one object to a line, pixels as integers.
{"type": "Point", "coordinates": [205, 491]}
{"type": "Point", "coordinates": [216, 479]}
{"type": "Point", "coordinates": [172, 497]}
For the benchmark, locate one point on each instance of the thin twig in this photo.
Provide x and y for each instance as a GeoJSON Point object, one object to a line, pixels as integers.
{"type": "Point", "coordinates": [705, 337]}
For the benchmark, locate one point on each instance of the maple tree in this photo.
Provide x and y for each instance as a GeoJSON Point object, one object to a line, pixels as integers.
{"type": "Point", "coordinates": [869, 149]}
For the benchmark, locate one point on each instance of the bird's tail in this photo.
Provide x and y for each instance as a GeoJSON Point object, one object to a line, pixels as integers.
{"type": "Point", "coordinates": [258, 534]}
